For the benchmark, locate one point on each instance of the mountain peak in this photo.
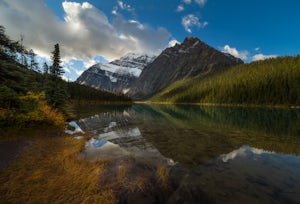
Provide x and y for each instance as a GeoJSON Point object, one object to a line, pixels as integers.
{"type": "Point", "coordinates": [190, 39]}
{"type": "Point", "coordinates": [191, 58]}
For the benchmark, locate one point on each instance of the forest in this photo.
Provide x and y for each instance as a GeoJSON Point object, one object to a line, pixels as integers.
{"type": "Point", "coordinates": [30, 94]}
{"type": "Point", "coordinates": [273, 81]}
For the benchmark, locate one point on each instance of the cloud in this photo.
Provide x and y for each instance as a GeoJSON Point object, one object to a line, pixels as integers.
{"type": "Point", "coordinates": [87, 62]}
{"type": "Point", "coordinates": [115, 11]}
{"type": "Point", "coordinates": [65, 78]}
{"type": "Point", "coordinates": [180, 8]}
{"type": "Point", "coordinates": [173, 42]}
{"type": "Point", "coordinates": [84, 32]}
{"type": "Point", "coordinates": [192, 21]}
{"type": "Point", "coordinates": [66, 69]}
{"type": "Point", "coordinates": [201, 2]}
{"type": "Point", "coordinates": [124, 6]}
{"type": "Point", "coordinates": [78, 72]}
{"type": "Point", "coordinates": [234, 52]}
{"type": "Point", "coordinates": [187, 1]}
{"type": "Point", "coordinates": [262, 57]}
{"type": "Point", "coordinates": [257, 49]}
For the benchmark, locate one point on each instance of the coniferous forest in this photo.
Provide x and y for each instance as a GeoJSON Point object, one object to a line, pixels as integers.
{"type": "Point", "coordinates": [33, 94]}
{"type": "Point", "coordinates": [269, 82]}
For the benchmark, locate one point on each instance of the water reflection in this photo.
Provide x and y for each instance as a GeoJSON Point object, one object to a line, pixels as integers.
{"type": "Point", "coordinates": [116, 135]}
{"type": "Point", "coordinates": [245, 175]}
{"type": "Point", "coordinates": [243, 152]}
{"type": "Point", "coordinates": [222, 154]}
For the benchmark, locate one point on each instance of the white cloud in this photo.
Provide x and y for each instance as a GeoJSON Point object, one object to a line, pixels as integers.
{"type": "Point", "coordinates": [201, 2]}
{"type": "Point", "coordinates": [65, 78]}
{"type": "Point", "coordinates": [67, 70]}
{"type": "Point", "coordinates": [187, 1]}
{"type": "Point", "coordinates": [114, 11]}
{"type": "Point", "coordinates": [173, 42]}
{"type": "Point", "coordinates": [192, 21]}
{"type": "Point", "coordinates": [78, 72]}
{"type": "Point", "coordinates": [180, 8]}
{"type": "Point", "coordinates": [84, 32]}
{"type": "Point", "coordinates": [262, 57]}
{"type": "Point", "coordinates": [257, 49]}
{"type": "Point", "coordinates": [234, 52]}
{"type": "Point", "coordinates": [87, 62]}
{"type": "Point", "coordinates": [124, 6]}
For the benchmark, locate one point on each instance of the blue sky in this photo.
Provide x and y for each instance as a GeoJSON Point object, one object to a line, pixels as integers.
{"type": "Point", "coordinates": [103, 30]}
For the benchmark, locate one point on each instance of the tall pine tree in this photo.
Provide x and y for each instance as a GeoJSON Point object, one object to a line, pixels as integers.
{"type": "Point", "coordinates": [56, 89]}
{"type": "Point", "coordinates": [56, 69]}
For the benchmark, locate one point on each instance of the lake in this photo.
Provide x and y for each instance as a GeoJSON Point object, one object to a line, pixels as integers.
{"type": "Point", "coordinates": [214, 154]}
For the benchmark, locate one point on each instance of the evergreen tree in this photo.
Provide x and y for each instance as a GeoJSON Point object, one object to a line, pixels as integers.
{"type": "Point", "coordinates": [56, 89]}
{"type": "Point", "coordinates": [33, 64]}
{"type": "Point", "coordinates": [45, 68]}
{"type": "Point", "coordinates": [56, 69]}
{"type": "Point", "coordinates": [23, 52]}
{"type": "Point", "coordinates": [9, 49]}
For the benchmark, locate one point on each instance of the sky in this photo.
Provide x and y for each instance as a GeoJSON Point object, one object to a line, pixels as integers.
{"type": "Point", "coordinates": [95, 31]}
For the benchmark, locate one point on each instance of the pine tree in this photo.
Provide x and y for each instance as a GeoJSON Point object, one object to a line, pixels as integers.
{"type": "Point", "coordinates": [56, 89]}
{"type": "Point", "coordinates": [56, 69]}
{"type": "Point", "coordinates": [45, 68]}
{"type": "Point", "coordinates": [33, 64]}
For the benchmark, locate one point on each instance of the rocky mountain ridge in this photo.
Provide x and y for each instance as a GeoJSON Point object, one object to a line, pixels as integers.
{"type": "Point", "coordinates": [141, 76]}
{"type": "Point", "coordinates": [116, 76]}
{"type": "Point", "coordinates": [188, 59]}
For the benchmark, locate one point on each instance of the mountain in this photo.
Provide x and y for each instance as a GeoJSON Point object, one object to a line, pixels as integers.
{"type": "Point", "coordinates": [117, 75]}
{"type": "Point", "coordinates": [191, 58]}
{"type": "Point", "coordinates": [273, 81]}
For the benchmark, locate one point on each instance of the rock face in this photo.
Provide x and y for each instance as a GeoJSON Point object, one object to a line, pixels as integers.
{"type": "Point", "coordinates": [191, 58]}
{"type": "Point", "coordinates": [117, 75]}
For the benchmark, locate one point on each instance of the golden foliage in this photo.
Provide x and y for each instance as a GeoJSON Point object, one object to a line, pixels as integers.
{"type": "Point", "coordinates": [35, 110]}
{"type": "Point", "coordinates": [163, 175]}
{"type": "Point", "coordinates": [53, 175]}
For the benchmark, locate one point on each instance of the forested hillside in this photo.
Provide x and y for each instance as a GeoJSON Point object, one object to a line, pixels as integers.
{"type": "Point", "coordinates": [269, 82]}
{"type": "Point", "coordinates": [31, 94]}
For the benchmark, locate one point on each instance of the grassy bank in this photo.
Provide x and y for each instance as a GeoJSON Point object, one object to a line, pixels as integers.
{"type": "Point", "coordinates": [49, 171]}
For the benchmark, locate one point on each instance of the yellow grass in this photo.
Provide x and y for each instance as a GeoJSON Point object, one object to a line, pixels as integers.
{"type": "Point", "coordinates": [163, 175]}
{"type": "Point", "coordinates": [49, 172]}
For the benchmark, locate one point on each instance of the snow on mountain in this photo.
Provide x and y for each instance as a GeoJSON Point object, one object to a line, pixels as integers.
{"type": "Point", "coordinates": [116, 75]}
{"type": "Point", "coordinates": [131, 64]}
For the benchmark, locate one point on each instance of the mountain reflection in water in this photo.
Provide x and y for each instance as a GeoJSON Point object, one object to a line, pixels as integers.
{"type": "Point", "coordinates": [215, 154]}
{"type": "Point", "coordinates": [116, 135]}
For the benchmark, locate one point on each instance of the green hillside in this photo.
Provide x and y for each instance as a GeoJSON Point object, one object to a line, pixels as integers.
{"type": "Point", "coordinates": [31, 95]}
{"type": "Point", "coordinates": [269, 82]}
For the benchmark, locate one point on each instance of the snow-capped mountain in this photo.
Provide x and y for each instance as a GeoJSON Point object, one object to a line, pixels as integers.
{"type": "Point", "coordinates": [117, 75]}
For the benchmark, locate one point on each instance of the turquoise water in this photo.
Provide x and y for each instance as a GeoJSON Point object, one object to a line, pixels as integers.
{"type": "Point", "coordinates": [215, 154]}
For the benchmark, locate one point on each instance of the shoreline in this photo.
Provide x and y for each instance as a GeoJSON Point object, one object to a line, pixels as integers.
{"type": "Point", "coordinates": [220, 104]}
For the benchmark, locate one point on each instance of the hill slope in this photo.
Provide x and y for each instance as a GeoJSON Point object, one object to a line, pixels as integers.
{"type": "Point", "coordinates": [191, 58]}
{"type": "Point", "coordinates": [273, 82]}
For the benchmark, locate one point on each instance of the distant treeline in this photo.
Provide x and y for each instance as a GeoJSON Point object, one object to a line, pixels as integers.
{"type": "Point", "coordinates": [78, 91]}
{"type": "Point", "coordinates": [31, 94]}
{"type": "Point", "coordinates": [269, 82]}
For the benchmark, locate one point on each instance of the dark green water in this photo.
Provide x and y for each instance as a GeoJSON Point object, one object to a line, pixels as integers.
{"type": "Point", "coordinates": [215, 154]}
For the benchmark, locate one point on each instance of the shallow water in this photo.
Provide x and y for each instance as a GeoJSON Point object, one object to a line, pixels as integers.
{"type": "Point", "coordinates": [215, 154]}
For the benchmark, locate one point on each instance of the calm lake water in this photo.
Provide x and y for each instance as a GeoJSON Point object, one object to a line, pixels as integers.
{"type": "Point", "coordinates": [215, 154]}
